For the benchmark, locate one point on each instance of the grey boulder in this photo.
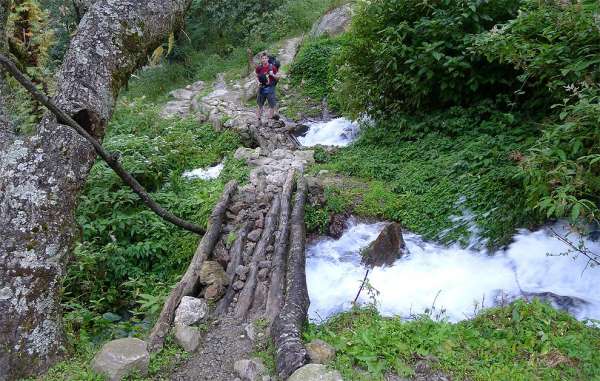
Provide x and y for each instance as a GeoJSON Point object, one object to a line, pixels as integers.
{"type": "Point", "coordinates": [315, 372]}
{"type": "Point", "coordinates": [121, 357]}
{"type": "Point", "coordinates": [191, 311]}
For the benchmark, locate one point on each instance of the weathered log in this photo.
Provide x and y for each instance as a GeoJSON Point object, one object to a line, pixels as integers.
{"type": "Point", "coordinates": [188, 284]}
{"type": "Point", "coordinates": [286, 330]}
{"type": "Point", "coordinates": [234, 262]}
{"type": "Point", "coordinates": [245, 298]}
{"type": "Point", "coordinates": [41, 175]}
{"type": "Point", "coordinates": [275, 295]}
{"type": "Point", "coordinates": [247, 294]}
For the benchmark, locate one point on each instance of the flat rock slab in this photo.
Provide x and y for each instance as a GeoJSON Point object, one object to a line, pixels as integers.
{"type": "Point", "coordinates": [315, 372]}
{"type": "Point", "coordinates": [187, 337]}
{"type": "Point", "coordinates": [121, 357]}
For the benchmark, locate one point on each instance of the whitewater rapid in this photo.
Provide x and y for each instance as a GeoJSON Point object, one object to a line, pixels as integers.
{"type": "Point", "coordinates": [336, 132]}
{"type": "Point", "coordinates": [456, 282]}
{"type": "Point", "coordinates": [208, 173]}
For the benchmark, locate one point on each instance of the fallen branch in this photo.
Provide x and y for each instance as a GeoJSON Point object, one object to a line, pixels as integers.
{"type": "Point", "coordinates": [188, 284]}
{"type": "Point", "coordinates": [362, 285]}
{"type": "Point", "coordinates": [591, 256]}
{"type": "Point", "coordinates": [109, 158]}
{"type": "Point", "coordinates": [287, 327]}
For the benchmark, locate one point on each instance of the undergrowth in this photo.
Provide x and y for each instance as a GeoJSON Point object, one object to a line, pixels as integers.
{"type": "Point", "coordinates": [521, 341]}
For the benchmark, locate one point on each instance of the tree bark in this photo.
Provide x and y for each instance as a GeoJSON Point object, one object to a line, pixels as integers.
{"type": "Point", "coordinates": [6, 128]}
{"type": "Point", "coordinates": [246, 296]}
{"type": "Point", "coordinates": [41, 176]}
{"type": "Point", "coordinates": [287, 328]}
{"type": "Point", "coordinates": [275, 296]}
{"type": "Point", "coordinates": [236, 260]}
{"type": "Point", "coordinates": [188, 285]}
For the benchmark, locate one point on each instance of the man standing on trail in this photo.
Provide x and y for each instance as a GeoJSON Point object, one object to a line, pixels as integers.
{"type": "Point", "coordinates": [267, 76]}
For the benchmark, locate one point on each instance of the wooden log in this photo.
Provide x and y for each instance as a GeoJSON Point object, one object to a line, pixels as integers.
{"type": "Point", "coordinates": [247, 294]}
{"type": "Point", "coordinates": [275, 294]}
{"type": "Point", "coordinates": [287, 327]}
{"type": "Point", "coordinates": [189, 282]}
{"type": "Point", "coordinates": [236, 260]}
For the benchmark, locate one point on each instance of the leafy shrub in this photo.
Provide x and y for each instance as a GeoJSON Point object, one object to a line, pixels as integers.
{"type": "Point", "coordinates": [129, 256]}
{"type": "Point", "coordinates": [407, 54]}
{"type": "Point", "coordinates": [562, 170]}
{"type": "Point", "coordinates": [313, 70]}
{"type": "Point", "coordinates": [521, 341]}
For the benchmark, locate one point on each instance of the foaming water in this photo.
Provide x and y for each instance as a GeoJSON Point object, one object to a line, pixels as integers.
{"type": "Point", "coordinates": [336, 132]}
{"type": "Point", "coordinates": [205, 173]}
{"type": "Point", "coordinates": [456, 282]}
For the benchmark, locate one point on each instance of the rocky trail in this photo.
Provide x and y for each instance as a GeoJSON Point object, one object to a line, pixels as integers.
{"type": "Point", "coordinates": [249, 266]}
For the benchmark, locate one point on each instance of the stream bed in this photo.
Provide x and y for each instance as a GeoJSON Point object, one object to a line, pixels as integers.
{"type": "Point", "coordinates": [449, 281]}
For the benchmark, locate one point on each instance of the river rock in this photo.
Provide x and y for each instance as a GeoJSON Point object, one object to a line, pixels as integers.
{"type": "Point", "coordinates": [191, 311]}
{"type": "Point", "coordinates": [254, 235]}
{"type": "Point", "coordinates": [333, 22]}
{"type": "Point", "coordinates": [214, 292]}
{"type": "Point", "coordinates": [249, 370]}
{"type": "Point", "coordinates": [212, 273]}
{"type": "Point", "coordinates": [386, 248]}
{"type": "Point", "coordinates": [187, 337]}
{"type": "Point", "coordinates": [315, 372]}
{"type": "Point", "coordinates": [337, 225]}
{"type": "Point", "coordinates": [121, 357]}
{"type": "Point", "coordinates": [320, 352]}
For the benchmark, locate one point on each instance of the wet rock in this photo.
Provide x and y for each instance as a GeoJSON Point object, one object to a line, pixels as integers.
{"type": "Point", "coordinates": [249, 370]}
{"type": "Point", "coordinates": [387, 247]}
{"type": "Point", "coordinates": [121, 357]}
{"type": "Point", "coordinates": [333, 22]}
{"type": "Point", "coordinates": [212, 273]}
{"type": "Point", "coordinates": [320, 352]}
{"type": "Point", "coordinates": [254, 235]}
{"type": "Point", "coordinates": [187, 337]}
{"type": "Point", "coordinates": [337, 225]}
{"type": "Point", "coordinates": [315, 372]}
{"type": "Point", "coordinates": [191, 311]}
{"type": "Point", "coordinates": [214, 292]}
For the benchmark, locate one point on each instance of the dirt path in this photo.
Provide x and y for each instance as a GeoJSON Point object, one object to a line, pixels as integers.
{"type": "Point", "coordinates": [253, 235]}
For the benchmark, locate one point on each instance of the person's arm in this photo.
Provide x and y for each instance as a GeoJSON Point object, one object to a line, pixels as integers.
{"type": "Point", "coordinates": [275, 73]}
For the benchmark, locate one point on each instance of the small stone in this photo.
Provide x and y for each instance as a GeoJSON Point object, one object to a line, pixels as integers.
{"type": "Point", "coordinates": [212, 273]}
{"type": "Point", "coordinates": [323, 172]}
{"type": "Point", "coordinates": [242, 270]}
{"type": "Point", "coordinates": [254, 235]}
{"type": "Point", "coordinates": [121, 357]}
{"type": "Point", "coordinates": [320, 352]}
{"type": "Point", "coordinates": [243, 153]}
{"type": "Point", "coordinates": [238, 284]}
{"type": "Point", "coordinates": [250, 331]}
{"type": "Point", "coordinates": [236, 207]}
{"type": "Point", "coordinates": [306, 155]}
{"type": "Point", "coordinates": [187, 337]}
{"type": "Point", "coordinates": [249, 370]}
{"type": "Point", "coordinates": [264, 264]}
{"type": "Point", "coordinates": [315, 372]}
{"type": "Point", "coordinates": [263, 274]}
{"type": "Point", "coordinates": [191, 311]}
{"type": "Point", "coordinates": [214, 292]}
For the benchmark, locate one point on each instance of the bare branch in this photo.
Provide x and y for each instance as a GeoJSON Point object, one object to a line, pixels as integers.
{"type": "Point", "coordinates": [591, 256]}
{"type": "Point", "coordinates": [110, 159]}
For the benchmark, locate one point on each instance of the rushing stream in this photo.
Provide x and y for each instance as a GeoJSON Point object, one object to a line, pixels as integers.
{"type": "Point", "coordinates": [453, 280]}
{"type": "Point", "coordinates": [336, 132]}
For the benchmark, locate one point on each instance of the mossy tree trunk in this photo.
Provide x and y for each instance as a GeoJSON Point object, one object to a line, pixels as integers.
{"type": "Point", "coordinates": [42, 175]}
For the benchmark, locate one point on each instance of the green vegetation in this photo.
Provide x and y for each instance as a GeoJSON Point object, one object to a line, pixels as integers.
{"type": "Point", "coordinates": [485, 107]}
{"type": "Point", "coordinates": [521, 341]}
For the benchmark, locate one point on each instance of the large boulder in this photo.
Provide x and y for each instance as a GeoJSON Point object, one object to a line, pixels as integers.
{"type": "Point", "coordinates": [315, 372]}
{"type": "Point", "coordinates": [334, 22]}
{"type": "Point", "coordinates": [211, 273]}
{"type": "Point", "coordinates": [387, 247]}
{"type": "Point", "coordinates": [191, 311]}
{"type": "Point", "coordinates": [249, 370]}
{"type": "Point", "coordinates": [187, 337]}
{"type": "Point", "coordinates": [121, 357]}
{"type": "Point", "coordinates": [320, 352]}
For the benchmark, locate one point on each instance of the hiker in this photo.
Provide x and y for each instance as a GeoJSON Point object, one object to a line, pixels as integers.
{"type": "Point", "coordinates": [267, 74]}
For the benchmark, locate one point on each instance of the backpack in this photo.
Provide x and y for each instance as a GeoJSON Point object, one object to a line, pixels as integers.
{"type": "Point", "coordinates": [274, 61]}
